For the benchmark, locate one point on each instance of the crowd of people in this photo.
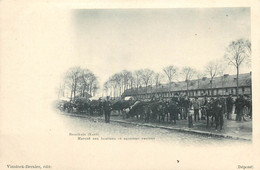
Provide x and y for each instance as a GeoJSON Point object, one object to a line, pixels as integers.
{"type": "Point", "coordinates": [213, 110]}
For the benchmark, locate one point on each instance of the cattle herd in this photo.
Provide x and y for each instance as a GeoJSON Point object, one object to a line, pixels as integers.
{"type": "Point", "coordinates": [156, 109]}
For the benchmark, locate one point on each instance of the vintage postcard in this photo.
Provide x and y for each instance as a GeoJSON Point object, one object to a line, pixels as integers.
{"type": "Point", "coordinates": [129, 85]}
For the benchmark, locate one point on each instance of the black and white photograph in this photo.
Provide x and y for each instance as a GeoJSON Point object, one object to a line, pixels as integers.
{"type": "Point", "coordinates": [92, 85]}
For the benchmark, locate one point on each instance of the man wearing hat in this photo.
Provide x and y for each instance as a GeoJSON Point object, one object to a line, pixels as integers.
{"type": "Point", "coordinates": [173, 109]}
{"type": "Point", "coordinates": [219, 112]}
{"type": "Point", "coordinates": [203, 108]}
{"type": "Point", "coordinates": [100, 105]}
{"type": "Point", "coordinates": [196, 106]}
{"type": "Point", "coordinates": [186, 106]}
{"type": "Point", "coordinates": [107, 109]}
{"type": "Point", "coordinates": [230, 103]}
{"type": "Point", "coordinates": [240, 103]}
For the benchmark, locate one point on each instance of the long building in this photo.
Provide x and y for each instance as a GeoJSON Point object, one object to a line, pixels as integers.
{"type": "Point", "coordinates": [221, 86]}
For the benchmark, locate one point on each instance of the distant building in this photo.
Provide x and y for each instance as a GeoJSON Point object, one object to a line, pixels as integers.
{"type": "Point", "coordinates": [221, 86]}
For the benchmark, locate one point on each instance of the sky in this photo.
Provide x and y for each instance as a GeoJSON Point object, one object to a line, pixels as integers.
{"type": "Point", "coordinates": [37, 49]}
{"type": "Point", "coordinates": [108, 41]}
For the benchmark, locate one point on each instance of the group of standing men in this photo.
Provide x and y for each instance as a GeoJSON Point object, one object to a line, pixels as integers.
{"type": "Point", "coordinates": [243, 106]}
{"type": "Point", "coordinates": [182, 107]}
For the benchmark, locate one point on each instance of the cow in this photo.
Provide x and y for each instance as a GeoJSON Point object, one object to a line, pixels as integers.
{"type": "Point", "coordinates": [140, 109]}
{"type": "Point", "coordinates": [122, 105]}
{"type": "Point", "coordinates": [95, 106]}
{"type": "Point", "coordinates": [148, 110]}
{"type": "Point", "coordinates": [69, 107]}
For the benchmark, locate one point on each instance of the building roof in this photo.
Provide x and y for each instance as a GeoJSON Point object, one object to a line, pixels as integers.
{"type": "Point", "coordinates": [225, 81]}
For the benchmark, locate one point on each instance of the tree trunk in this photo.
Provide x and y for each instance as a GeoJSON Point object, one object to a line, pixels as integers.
{"type": "Point", "coordinates": [237, 81]}
{"type": "Point", "coordinates": [71, 92]}
{"type": "Point", "coordinates": [84, 88]}
{"type": "Point", "coordinates": [90, 90]}
{"type": "Point", "coordinates": [114, 92]}
{"type": "Point", "coordinates": [75, 88]}
{"type": "Point", "coordinates": [169, 91]}
{"type": "Point", "coordinates": [211, 86]}
{"type": "Point", "coordinates": [187, 88]}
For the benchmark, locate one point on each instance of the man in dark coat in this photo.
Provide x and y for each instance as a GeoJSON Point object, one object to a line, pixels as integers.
{"type": "Point", "coordinates": [240, 103]}
{"type": "Point", "coordinates": [186, 106]}
{"type": "Point", "coordinates": [100, 105]}
{"type": "Point", "coordinates": [173, 109]}
{"type": "Point", "coordinates": [203, 108]}
{"type": "Point", "coordinates": [196, 107]}
{"type": "Point", "coordinates": [181, 104]}
{"type": "Point", "coordinates": [249, 106]}
{"type": "Point", "coordinates": [107, 106]}
{"type": "Point", "coordinates": [210, 110]}
{"type": "Point", "coordinates": [230, 103]}
{"type": "Point", "coordinates": [219, 107]}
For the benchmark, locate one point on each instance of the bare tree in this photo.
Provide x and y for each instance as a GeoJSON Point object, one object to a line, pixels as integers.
{"type": "Point", "coordinates": [72, 79]}
{"type": "Point", "coordinates": [106, 88]}
{"type": "Point", "coordinates": [126, 76]}
{"type": "Point", "coordinates": [212, 70]}
{"type": "Point", "coordinates": [78, 81]}
{"type": "Point", "coordinates": [95, 88]}
{"type": "Point", "coordinates": [92, 80]}
{"type": "Point", "coordinates": [146, 76]}
{"type": "Point", "coordinates": [221, 70]}
{"type": "Point", "coordinates": [236, 53]}
{"type": "Point", "coordinates": [171, 72]}
{"type": "Point", "coordinates": [111, 86]}
{"type": "Point", "coordinates": [116, 83]}
{"type": "Point", "coordinates": [137, 75]}
{"type": "Point", "coordinates": [131, 81]}
{"type": "Point", "coordinates": [158, 77]}
{"type": "Point", "coordinates": [112, 82]}
{"type": "Point", "coordinates": [188, 73]}
{"type": "Point", "coordinates": [86, 76]}
{"type": "Point", "coordinates": [119, 82]}
{"type": "Point", "coordinates": [199, 76]}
